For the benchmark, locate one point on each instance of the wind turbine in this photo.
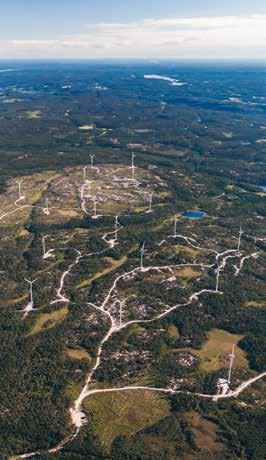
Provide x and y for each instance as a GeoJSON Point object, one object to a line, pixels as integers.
{"type": "Point", "coordinates": [223, 385]}
{"type": "Point", "coordinates": [92, 157]}
{"type": "Point", "coordinates": [142, 251]}
{"type": "Point", "coordinates": [46, 210]}
{"type": "Point", "coordinates": [132, 160]}
{"type": "Point", "coordinates": [31, 292]}
{"type": "Point", "coordinates": [175, 227]}
{"type": "Point", "coordinates": [232, 357]}
{"type": "Point", "coordinates": [20, 196]}
{"type": "Point", "coordinates": [43, 245]}
{"type": "Point", "coordinates": [84, 173]}
{"type": "Point", "coordinates": [113, 241]}
{"type": "Point", "coordinates": [217, 279]}
{"type": "Point", "coordinates": [30, 306]}
{"type": "Point", "coordinates": [150, 202]}
{"type": "Point", "coordinates": [239, 238]}
{"type": "Point", "coordinates": [133, 166]}
{"type": "Point", "coordinates": [116, 228]}
{"type": "Point", "coordinates": [49, 253]}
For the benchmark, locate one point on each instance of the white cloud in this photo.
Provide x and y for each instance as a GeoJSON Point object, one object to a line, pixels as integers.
{"type": "Point", "coordinates": [222, 36]}
{"type": "Point", "coordinates": [209, 22]}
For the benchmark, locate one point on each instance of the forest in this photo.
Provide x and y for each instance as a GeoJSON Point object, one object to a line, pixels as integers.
{"type": "Point", "coordinates": [161, 298]}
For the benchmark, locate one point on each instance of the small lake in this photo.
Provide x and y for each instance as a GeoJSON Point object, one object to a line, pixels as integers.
{"type": "Point", "coordinates": [263, 187]}
{"type": "Point", "coordinates": [194, 214]}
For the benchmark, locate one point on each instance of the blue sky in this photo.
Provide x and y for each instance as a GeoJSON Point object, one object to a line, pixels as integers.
{"type": "Point", "coordinates": [133, 28]}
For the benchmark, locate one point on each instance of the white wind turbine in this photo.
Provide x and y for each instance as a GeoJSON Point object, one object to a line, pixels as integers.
{"type": "Point", "coordinates": [30, 306]}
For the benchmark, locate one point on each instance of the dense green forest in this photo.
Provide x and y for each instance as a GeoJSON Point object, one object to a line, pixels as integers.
{"type": "Point", "coordinates": [160, 315]}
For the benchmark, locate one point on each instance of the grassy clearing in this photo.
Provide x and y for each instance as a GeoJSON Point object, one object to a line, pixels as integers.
{"type": "Point", "coordinates": [17, 299]}
{"type": "Point", "coordinates": [164, 194]}
{"type": "Point", "coordinates": [187, 249]}
{"type": "Point", "coordinates": [172, 332]}
{"type": "Point", "coordinates": [69, 213]}
{"type": "Point", "coordinates": [124, 413]}
{"type": "Point", "coordinates": [187, 272]}
{"type": "Point", "coordinates": [205, 432]}
{"type": "Point", "coordinates": [228, 134]}
{"type": "Point", "coordinates": [214, 353]}
{"type": "Point", "coordinates": [256, 303]}
{"type": "Point", "coordinates": [23, 233]}
{"type": "Point", "coordinates": [113, 265]}
{"type": "Point", "coordinates": [31, 114]}
{"type": "Point", "coordinates": [48, 320]}
{"type": "Point", "coordinates": [78, 353]}
{"type": "Point", "coordinates": [32, 188]}
{"type": "Point", "coordinates": [50, 267]}
{"type": "Point", "coordinates": [168, 222]}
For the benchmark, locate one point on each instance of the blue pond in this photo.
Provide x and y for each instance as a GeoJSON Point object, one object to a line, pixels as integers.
{"type": "Point", "coordinates": [263, 187]}
{"type": "Point", "coordinates": [194, 214]}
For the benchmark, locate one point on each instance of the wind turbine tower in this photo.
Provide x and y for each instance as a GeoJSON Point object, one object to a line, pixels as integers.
{"type": "Point", "coordinates": [239, 238]}
{"type": "Point", "coordinates": [20, 196]}
{"type": "Point", "coordinates": [132, 160]}
{"type": "Point", "coordinates": [46, 254]}
{"type": "Point", "coordinates": [150, 202]}
{"type": "Point", "coordinates": [133, 166]}
{"type": "Point", "coordinates": [232, 357]}
{"type": "Point", "coordinates": [175, 227]}
{"type": "Point", "coordinates": [92, 157]}
{"type": "Point", "coordinates": [217, 279]}
{"type": "Point", "coordinates": [46, 210]}
{"type": "Point", "coordinates": [43, 245]}
{"type": "Point", "coordinates": [30, 306]}
{"type": "Point", "coordinates": [31, 291]}
{"type": "Point", "coordinates": [142, 251]}
{"type": "Point", "coordinates": [116, 228]}
{"type": "Point", "coordinates": [84, 173]}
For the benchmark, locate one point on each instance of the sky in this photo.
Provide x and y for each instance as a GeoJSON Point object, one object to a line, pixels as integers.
{"type": "Point", "coordinates": [149, 29]}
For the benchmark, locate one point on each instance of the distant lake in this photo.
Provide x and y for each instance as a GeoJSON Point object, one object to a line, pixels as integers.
{"type": "Point", "coordinates": [194, 214]}
{"type": "Point", "coordinates": [263, 187]}
{"type": "Point", "coordinates": [172, 81]}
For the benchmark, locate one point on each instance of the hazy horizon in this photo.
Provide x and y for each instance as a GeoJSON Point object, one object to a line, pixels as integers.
{"type": "Point", "coordinates": [133, 30]}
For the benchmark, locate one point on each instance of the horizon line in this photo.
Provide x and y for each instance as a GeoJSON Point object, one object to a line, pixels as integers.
{"type": "Point", "coordinates": [152, 60]}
